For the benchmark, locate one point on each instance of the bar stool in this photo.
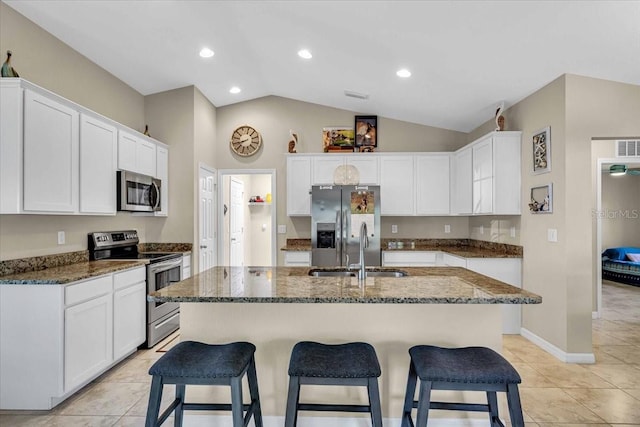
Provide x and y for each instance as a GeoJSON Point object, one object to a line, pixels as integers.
{"type": "Point", "coordinates": [196, 363]}
{"type": "Point", "coordinates": [469, 368]}
{"type": "Point", "coordinates": [350, 364]}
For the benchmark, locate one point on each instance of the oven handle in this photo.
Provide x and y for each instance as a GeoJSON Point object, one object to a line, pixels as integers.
{"type": "Point", "coordinates": [159, 325]}
{"type": "Point", "coordinates": [164, 266]}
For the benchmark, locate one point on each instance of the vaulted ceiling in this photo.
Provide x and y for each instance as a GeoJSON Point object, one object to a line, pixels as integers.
{"type": "Point", "coordinates": [465, 57]}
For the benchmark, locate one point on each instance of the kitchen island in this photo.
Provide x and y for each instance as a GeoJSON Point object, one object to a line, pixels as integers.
{"type": "Point", "coordinates": [275, 307]}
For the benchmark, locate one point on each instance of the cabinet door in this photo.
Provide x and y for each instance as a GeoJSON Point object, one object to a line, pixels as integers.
{"type": "Point", "coordinates": [129, 319]}
{"type": "Point", "coordinates": [507, 170]}
{"type": "Point", "coordinates": [162, 172]}
{"type": "Point", "coordinates": [462, 192]}
{"type": "Point", "coordinates": [11, 114]}
{"type": "Point", "coordinates": [146, 157]}
{"type": "Point", "coordinates": [98, 166]}
{"type": "Point", "coordinates": [298, 185]}
{"type": "Point", "coordinates": [397, 195]}
{"type": "Point", "coordinates": [50, 155]}
{"type": "Point", "coordinates": [324, 167]}
{"type": "Point", "coordinates": [367, 167]}
{"type": "Point", "coordinates": [127, 151]}
{"type": "Point", "coordinates": [297, 259]}
{"type": "Point", "coordinates": [88, 340]}
{"type": "Point", "coordinates": [432, 185]}
{"type": "Point", "coordinates": [483, 177]}
{"type": "Point", "coordinates": [186, 266]}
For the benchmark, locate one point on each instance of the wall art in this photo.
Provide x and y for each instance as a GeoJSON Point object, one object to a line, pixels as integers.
{"type": "Point", "coordinates": [541, 199]}
{"type": "Point", "coordinates": [541, 144]}
{"type": "Point", "coordinates": [339, 138]}
{"type": "Point", "coordinates": [366, 128]}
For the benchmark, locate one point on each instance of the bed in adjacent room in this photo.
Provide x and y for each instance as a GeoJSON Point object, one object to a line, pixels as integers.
{"type": "Point", "coordinates": [622, 264]}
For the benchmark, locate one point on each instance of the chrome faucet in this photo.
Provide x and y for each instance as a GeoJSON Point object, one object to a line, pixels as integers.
{"type": "Point", "coordinates": [364, 243]}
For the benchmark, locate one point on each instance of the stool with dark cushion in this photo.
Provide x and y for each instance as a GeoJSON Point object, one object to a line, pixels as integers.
{"type": "Point", "coordinates": [196, 363]}
{"type": "Point", "coordinates": [351, 364]}
{"type": "Point", "coordinates": [469, 368]}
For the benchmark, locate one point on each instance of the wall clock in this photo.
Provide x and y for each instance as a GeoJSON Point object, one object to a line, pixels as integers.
{"type": "Point", "coordinates": [245, 141]}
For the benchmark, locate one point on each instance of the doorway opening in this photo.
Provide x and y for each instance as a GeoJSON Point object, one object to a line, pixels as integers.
{"type": "Point", "coordinates": [247, 217]}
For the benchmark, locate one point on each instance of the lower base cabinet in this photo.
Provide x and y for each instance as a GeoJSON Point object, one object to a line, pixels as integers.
{"type": "Point", "coordinates": [297, 259]}
{"type": "Point", "coordinates": [54, 339]}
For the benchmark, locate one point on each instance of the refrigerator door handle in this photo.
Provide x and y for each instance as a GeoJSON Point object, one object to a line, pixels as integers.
{"type": "Point", "coordinates": [345, 237]}
{"type": "Point", "coordinates": [338, 237]}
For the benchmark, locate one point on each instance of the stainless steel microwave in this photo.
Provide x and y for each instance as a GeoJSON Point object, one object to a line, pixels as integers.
{"type": "Point", "coordinates": [138, 193]}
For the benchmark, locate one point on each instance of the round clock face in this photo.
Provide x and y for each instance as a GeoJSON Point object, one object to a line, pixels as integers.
{"type": "Point", "coordinates": [245, 141]}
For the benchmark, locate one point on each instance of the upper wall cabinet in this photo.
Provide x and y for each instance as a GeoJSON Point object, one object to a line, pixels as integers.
{"type": "Point", "coordinates": [462, 182]}
{"type": "Point", "coordinates": [298, 185]}
{"type": "Point", "coordinates": [397, 186]}
{"type": "Point", "coordinates": [136, 154]}
{"type": "Point", "coordinates": [432, 184]}
{"type": "Point", "coordinates": [57, 157]}
{"type": "Point", "coordinates": [162, 172]}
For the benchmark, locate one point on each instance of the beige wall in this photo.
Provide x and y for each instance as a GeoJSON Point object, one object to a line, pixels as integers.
{"type": "Point", "coordinates": [620, 210]}
{"type": "Point", "coordinates": [273, 116]}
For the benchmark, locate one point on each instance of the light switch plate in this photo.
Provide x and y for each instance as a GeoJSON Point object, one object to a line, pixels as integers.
{"type": "Point", "coordinates": [512, 232]}
{"type": "Point", "coordinates": [282, 229]}
{"type": "Point", "coordinates": [61, 237]}
{"type": "Point", "coordinates": [552, 235]}
{"type": "Point", "coordinates": [394, 228]}
{"type": "Point", "coordinates": [482, 229]}
{"type": "Point", "coordinates": [447, 228]}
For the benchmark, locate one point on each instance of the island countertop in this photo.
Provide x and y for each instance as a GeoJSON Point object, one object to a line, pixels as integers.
{"type": "Point", "coordinates": [422, 285]}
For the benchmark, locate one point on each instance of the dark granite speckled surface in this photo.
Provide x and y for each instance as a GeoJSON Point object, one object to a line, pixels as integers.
{"type": "Point", "coordinates": [165, 247]}
{"type": "Point", "coordinates": [68, 273]}
{"type": "Point", "coordinates": [428, 285]}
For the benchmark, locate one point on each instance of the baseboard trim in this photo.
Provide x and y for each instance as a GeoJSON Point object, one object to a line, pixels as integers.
{"type": "Point", "coordinates": [195, 420]}
{"type": "Point", "coordinates": [557, 352]}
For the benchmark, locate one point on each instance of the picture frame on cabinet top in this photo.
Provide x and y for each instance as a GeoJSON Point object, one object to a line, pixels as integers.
{"type": "Point", "coordinates": [541, 149]}
{"type": "Point", "coordinates": [366, 129]}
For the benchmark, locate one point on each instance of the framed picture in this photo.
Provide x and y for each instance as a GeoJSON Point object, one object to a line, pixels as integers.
{"type": "Point", "coordinates": [541, 199]}
{"type": "Point", "coordinates": [541, 141]}
{"type": "Point", "coordinates": [366, 128]}
{"type": "Point", "coordinates": [338, 138]}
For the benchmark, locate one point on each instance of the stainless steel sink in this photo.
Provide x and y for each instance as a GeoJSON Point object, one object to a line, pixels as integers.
{"type": "Point", "coordinates": [351, 273]}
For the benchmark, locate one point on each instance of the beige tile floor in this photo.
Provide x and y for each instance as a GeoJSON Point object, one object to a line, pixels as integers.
{"type": "Point", "coordinates": [553, 393]}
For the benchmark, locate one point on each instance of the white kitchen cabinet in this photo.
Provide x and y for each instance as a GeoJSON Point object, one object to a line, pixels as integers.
{"type": "Point", "coordinates": [136, 154]}
{"type": "Point", "coordinates": [453, 261]}
{"type": "Point", "coordinates": [410, 258]}
{"type": "Point", "coordinates": [324, 167]}
{"type": "Point", "coordinates": [162, 172]}
{"type": "Point", "coordinates": [186, 266]}
{"type": "Point", "coordinates": [51, 166]}
{"type": "Point", "coordinates": [298, 185]}
{"type": "Point", "coordinates": [98, 166]}
{"type": "Point", "coordinates": [462, 182]}
{"type": "Point", "coordinates": [397, 187]}
{"type": "Point", "coordinates": [11, 108]}
{"type": "Point", "coordinates": [297, 259]}
{"type": "Point", "coordinates": [507, 173]}
{"type": "Point", "coordinates": [129, 311]}
{"type": "Point", "coordinates": [432, 184]}
{"type": "Point", "coordinates": [482, 173]}
{"type": "Point", "coordinates": [88, 331]}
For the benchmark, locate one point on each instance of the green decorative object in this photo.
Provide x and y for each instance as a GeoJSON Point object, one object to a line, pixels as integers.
{"type": "Point", "coordinates": [7, 69]}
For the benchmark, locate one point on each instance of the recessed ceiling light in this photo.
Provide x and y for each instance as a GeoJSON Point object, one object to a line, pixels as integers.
{"type": "Point", "coordinates": [403, 73]}
{"type": "Point", "coordinates": [235, 89]}
{"type": "Point", "coordinates": [206, 52]}
{"type": "Point", "coordinates": [305, 54]}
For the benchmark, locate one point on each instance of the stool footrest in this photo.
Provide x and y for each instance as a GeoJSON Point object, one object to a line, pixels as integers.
{"type": "Point", "coordinates": [333, 407]}
{"type": "Point", "coordinates": [456, 406]}
{"type": "Point", "coordinates": [213, 406]}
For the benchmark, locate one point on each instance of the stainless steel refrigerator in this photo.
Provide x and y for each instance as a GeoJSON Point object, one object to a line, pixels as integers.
{"type": "Point", "coordinates": [337, 213]}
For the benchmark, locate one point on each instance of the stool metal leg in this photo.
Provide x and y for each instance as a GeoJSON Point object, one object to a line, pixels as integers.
{"type": "Point", "coordinates": [178, 415]}
{"type": "Point", "coordinates": [291, 416]}
{"type": "Point", "coordinates": [236, 402]}
{"type": "Point", "coordinates": [424, 402]}
{"type": "Point", "coordinates": [252, 378]}
{"type": "Point", "coordinates": [374, 402]}
{"type": "Point", "coordinates": [412, 378]}
{"type": "Point", "coordinates": [492, 401]}
{"type": "Point", "coordinates": [515, 409]}
{"type": "Point", "coordinates": [155, 397]}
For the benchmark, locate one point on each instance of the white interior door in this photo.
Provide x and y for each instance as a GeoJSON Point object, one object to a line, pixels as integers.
{"type": "Point", "coordinates": [206, 228]}
{"type": "Point", "coordinates": [236, 223]}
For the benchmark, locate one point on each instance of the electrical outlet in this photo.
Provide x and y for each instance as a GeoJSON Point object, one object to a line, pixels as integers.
{"type": "Point", "coordinates": [61, 237]}
{"type": "Point", "coordinates": [552, 235]}
{"type": "Point", "coordinates": [282, 229]}
{"type": "Point", "coordinates": [482, 229]}
{"type": "Point", "coordinates": [512, 232]}
{"type": "Point", "coordinates": [447, 228]}
{"type": "Point", "coordinates": [394, 228]}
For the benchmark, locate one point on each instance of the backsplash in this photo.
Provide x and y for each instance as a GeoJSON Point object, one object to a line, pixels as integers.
{"type": "Point", "coordinates": [165, 247]}
{"type": "Point", "coordinates": [22, 265]}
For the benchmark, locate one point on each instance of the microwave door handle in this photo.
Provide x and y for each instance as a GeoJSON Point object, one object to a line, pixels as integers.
{"type": "Point", "coordinates": [154, 200]}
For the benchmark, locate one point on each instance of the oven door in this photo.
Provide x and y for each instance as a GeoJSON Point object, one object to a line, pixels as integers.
{"type": "Point", "coordinates": [159, 276]}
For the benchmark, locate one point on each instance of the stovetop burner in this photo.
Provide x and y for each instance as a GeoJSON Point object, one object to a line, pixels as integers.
{"type": "Point", "coordinates": [122, 245]}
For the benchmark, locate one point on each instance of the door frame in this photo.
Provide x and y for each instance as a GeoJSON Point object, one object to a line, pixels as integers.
{"type": "Point", "coordinates": [220, 205]}
{"type": "Point", "coordinates": [196, 254]}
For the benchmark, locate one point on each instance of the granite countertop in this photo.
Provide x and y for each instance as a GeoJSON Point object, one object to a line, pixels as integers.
{"type": "Point", "coordinates": [66, 274]}
{"type": "Point", "coordinates": [428, 285]}
{"type": "Point", "coordinates": [465, 248]}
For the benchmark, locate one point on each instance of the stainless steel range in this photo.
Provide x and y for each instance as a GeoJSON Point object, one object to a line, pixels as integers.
{"type": "Point", "coordinates": [164, 268]}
